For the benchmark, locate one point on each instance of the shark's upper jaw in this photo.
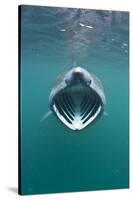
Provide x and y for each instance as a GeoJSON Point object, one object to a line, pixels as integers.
{"type": "Point", "coordinates": [77, 107]}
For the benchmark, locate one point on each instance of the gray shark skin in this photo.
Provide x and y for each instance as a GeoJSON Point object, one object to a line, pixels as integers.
{"type": "Point", "coordinates": [77, 99]}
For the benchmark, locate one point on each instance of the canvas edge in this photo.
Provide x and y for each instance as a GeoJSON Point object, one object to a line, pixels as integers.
{"type": "Point", "coordinates": [19, 101]}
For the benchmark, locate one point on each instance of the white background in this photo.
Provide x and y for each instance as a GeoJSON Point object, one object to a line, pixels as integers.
{"type": "Point", "coordinates": [8, 99]}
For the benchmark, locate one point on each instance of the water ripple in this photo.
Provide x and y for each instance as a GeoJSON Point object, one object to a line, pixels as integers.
{"type": "Point", "coordinates": [76, 32]}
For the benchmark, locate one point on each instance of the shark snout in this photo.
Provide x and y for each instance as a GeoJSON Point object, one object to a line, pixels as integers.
{"type": "Point", "coordinates": [77, 74]}
{"type": "Point", "coordinates": [77, 71]}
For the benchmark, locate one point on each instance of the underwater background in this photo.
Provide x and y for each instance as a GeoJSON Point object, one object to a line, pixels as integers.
{"type": "Point", "coordinates": [54, 158]}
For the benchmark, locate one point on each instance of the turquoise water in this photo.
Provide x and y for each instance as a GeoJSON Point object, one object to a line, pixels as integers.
{"type": "Point", "coordinates": [53, 157]}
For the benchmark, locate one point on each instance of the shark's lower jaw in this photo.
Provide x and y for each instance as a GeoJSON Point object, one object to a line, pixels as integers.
{"type": "Point", "coordinates": [77, 108]}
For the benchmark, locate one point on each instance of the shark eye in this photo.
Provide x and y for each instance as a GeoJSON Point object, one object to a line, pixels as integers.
{"type": "Point", "coordinates": [66, 81]}
{"type": "Point", "coordinates": [89, 82]}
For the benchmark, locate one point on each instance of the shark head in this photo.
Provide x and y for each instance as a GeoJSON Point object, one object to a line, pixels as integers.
{"type": "Point", "coordinates": [78, 99]}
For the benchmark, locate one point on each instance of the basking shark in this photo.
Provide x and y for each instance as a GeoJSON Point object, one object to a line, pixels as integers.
{"type": "Point", "coordinates": [77, 98]}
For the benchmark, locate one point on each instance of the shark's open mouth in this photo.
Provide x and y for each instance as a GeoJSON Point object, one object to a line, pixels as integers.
{"type": "Point", "coordinates": [77, 108]}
